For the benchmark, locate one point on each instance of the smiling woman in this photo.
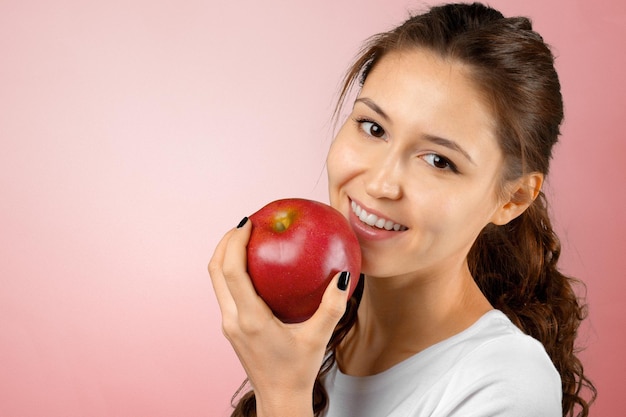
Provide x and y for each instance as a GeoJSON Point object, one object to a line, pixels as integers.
{"type": "Point", "coordinates": [439, 169]}
{"type": "Point", "coordinates": [135, 132]}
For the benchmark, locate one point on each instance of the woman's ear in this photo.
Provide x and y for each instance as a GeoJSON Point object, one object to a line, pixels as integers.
{"type": "Point", "coordinates": [521, 193]}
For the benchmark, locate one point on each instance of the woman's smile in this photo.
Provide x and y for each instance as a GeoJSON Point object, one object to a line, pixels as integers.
{"type": "Point", "coordinates": [371, 225]}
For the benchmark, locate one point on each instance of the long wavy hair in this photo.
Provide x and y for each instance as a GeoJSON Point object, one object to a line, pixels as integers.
{"type": "Point", "coordinates": [515, 265]}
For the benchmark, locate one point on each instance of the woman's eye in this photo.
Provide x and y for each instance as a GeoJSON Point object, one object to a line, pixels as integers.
{"type": "Point", "coordinates": [439, 161]}
{"type": "Point", "coordinates": [372, 129]}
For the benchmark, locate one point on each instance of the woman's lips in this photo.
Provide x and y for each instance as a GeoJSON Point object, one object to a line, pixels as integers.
{"type": "Point", "coordinates": [372, 226]}
{"type": "Point", "coordinates": [374, 220]}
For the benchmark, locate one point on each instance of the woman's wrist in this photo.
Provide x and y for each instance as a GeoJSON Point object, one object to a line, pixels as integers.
{"type": "Point", "coordinates": [291, 404]}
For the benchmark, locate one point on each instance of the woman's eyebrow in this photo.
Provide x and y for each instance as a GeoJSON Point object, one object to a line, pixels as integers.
{"type": "Point", "coordinates": [372, 105]}
{"type": "Point", "coordinates": [451, 145]}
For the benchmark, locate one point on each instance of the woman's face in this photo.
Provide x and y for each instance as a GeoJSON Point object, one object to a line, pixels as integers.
{"type": "Point", "coordinates": [415, 168]}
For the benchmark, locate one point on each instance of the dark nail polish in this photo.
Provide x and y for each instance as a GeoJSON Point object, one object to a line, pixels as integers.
{"type": "Point", "coordinates": [344, 280]}
{"type": "Point", "coordinates": [242, 222]}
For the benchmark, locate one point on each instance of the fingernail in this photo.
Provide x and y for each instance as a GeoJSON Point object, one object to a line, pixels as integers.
{"type": "Point", "coordinates": [242, 222]}
{"type": "Point", "coordinates": [344, 280]}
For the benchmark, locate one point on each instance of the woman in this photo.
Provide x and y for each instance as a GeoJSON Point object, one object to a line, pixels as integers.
{"type": "Point", "coordinates": [462, 310]}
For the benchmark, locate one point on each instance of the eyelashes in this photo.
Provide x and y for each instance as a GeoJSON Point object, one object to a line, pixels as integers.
{"type": "Point", "coordinates": [440, 162]}
{"type": "Point", "coordinates": [372, 129]}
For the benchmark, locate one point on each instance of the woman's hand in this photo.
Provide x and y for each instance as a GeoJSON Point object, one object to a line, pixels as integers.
{"type": "Point", "coordinates": [281, 360]}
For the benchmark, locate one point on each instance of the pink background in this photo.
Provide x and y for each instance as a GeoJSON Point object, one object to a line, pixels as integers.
{"type": "Point", "coordinates": [135, 133]}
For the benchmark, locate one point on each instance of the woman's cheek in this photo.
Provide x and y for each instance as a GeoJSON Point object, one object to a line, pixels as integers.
{"type": "Point", "coordinates": [339, 159]}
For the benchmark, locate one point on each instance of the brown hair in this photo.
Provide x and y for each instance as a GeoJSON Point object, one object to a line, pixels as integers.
{"type": "Point", "coordinates": [515, 265]}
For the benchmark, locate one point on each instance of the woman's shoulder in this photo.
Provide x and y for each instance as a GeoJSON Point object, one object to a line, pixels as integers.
{"type": "Point", "coordinates": [494, 342]}
{"type": "Point", "coordinates": [504, 367]}
{"type": "Point", "coordinates": [494, 332]}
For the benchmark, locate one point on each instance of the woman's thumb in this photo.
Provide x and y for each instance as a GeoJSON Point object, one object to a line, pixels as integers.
{"type": "Point", "coordinates": [333, 304]}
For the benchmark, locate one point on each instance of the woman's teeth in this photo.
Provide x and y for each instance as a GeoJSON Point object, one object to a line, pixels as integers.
{"type": "Point", "coordinates": [375, 221]}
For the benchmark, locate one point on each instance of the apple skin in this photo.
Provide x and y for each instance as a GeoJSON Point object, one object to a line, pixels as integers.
{"type": "Point", "coordinates": [295, 249]}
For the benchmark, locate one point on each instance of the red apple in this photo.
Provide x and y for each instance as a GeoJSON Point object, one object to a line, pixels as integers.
{"type": "Point", "coordinates": [295, 249]}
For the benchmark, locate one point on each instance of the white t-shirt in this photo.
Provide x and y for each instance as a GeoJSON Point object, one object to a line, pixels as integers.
{"type": "Point", "coordinates": [490, 369]}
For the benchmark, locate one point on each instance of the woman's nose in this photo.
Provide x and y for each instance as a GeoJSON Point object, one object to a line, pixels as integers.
{"type": "Point", "coordinates": [384, 181]}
